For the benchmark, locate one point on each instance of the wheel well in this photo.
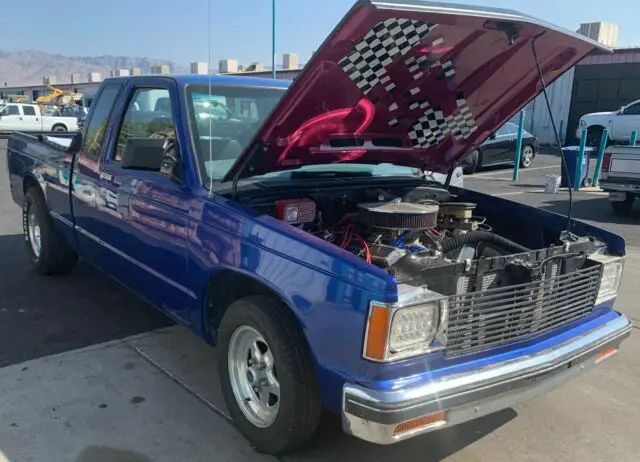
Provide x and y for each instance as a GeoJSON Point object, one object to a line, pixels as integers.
{"type": "Point", "coordinates": [223, 289]}
{"type": "Point", "coordinates": [59, 125]}
{"type": "Point", "coordinates": [595, 128]}
{"type": "Point", "coordinates": [28, 182]}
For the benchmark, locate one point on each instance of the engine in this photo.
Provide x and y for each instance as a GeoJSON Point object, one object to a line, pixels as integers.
{"type": "Point", "coordinates": [402, 234]}
{"type": "Point", "coordinates": [427, 236]}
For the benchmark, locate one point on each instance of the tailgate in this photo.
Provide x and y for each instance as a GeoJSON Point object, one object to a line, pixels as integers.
{"type": "Point", "coordinates": [625, 163]}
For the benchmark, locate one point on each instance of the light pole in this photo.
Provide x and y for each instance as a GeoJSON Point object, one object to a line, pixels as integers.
{"type": "Point", "coordinates": [273, 39]}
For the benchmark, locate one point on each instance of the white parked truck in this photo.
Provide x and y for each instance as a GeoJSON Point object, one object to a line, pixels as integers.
{"type": "Point", "coordinates": [20, 117]}
{"type": "Point", "coordinates": [620, 124]}
{"type": "Point", "coordinates": [620, 177]}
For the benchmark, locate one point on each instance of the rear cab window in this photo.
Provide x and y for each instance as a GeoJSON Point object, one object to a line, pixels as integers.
{"type": "Point", "coordinates": [29, 110]}
{"type": "Point", "coordinates": [97, 126]}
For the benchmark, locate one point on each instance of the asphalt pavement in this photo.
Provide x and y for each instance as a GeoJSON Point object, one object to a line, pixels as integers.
{"type": "Point", "coordinates": [89, 373]}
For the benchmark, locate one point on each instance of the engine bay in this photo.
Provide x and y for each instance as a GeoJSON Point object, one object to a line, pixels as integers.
{"type": "Point", "coordinates": [427, 236]}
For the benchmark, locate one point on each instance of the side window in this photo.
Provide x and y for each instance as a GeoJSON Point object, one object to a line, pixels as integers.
{"type": "Point", "coordinates": [12, 110]}
{"type": "Point", "coordinates": [506, 129]}
{"type": "Point", "coordinates": [148, 115]}
{"type": "Point", "coordinates": [28, 110]}
{"type": "Point", "coordinates": [99, 120]}
{"type": "Point", "coordinates": [633, 110]}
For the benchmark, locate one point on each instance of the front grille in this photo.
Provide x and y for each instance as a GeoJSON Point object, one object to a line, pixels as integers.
{"type": "Point", "coordinates": [496, 316]}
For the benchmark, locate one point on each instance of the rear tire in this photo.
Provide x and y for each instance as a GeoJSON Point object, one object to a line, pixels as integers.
{"type": "Point", "coordinates": [470, 164]}
{"type": "Point", "coordinates": [272, 394]}
{"type": "Point", "coordinates": [59, 128]}
{"type": "Point", "coordinates": [48, 251]}
{"type": "Point", "coordinates": [527, 156]}
{"type": "Point", "coordinates": [623, 208]}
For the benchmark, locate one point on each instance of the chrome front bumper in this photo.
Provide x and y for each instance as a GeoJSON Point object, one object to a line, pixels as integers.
{"type": "Point", "coordinates": [375, 415]}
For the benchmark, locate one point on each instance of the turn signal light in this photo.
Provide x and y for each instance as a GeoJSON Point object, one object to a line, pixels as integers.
{"type": "Point", "coordinates": [377, 332]}
{"type": "Point", "coordinates": [437, 418]}
{"type": "Point", "coordinates": [606, 353]}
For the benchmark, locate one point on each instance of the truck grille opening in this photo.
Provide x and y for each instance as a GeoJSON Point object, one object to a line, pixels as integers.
{"type": "Point", "coordinates": [496, 316]}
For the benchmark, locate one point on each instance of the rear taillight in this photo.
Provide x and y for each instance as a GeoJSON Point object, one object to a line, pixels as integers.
{"type": "Point", "coordinates": [606, 162]}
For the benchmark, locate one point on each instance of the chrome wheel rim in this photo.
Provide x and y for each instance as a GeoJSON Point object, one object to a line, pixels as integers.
{"type": "Point", "coordinates": [253, 376]}
{"type": "Point", "coordinates": [527, 156]}
{"type": "Point", "coordinates": [34, 232]}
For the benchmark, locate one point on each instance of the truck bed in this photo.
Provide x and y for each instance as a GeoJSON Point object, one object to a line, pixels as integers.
{"type": "Point", "coordinates": [621, 169]}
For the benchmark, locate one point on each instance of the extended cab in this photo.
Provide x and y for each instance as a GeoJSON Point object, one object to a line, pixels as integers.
{"type": "Point", "coordinates": [294, 227]}
{"type": "Point", "coordinates": [19, 117]}
{"type": "Point", "coordinates": [620, 124]}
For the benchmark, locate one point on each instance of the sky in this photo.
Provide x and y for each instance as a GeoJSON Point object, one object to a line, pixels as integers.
{"type": "Point", "coordinates": [241, 29]}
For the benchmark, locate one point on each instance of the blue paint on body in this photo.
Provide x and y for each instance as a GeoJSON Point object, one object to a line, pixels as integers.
{"type": "Point", "coordinates": [166, 241]}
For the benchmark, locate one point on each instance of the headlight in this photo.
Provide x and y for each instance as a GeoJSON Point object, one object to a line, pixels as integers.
{"type": "Point", "coordinates": [410, 328]}
{"type": "Point", "coordinates": [413, 326]}
{"type": "Point", "coordinates": [583, 123]}
{"type": "Point", "coordinates": [610, 280]}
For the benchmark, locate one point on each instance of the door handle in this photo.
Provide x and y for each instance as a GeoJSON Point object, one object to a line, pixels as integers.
{"type": "Point", "coordinates": [20, 117]}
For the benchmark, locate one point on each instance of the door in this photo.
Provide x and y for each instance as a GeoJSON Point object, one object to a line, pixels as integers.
{"type": "Point", "coordinates": [31, 122]}
{"type": "Point", "coordinates": [85, 174]}
{"type": "Point", "coordinates": [10, 118]}
{"type": "Point", "coordinates": [143, 215]}
{"type": "Point", "coordinates": [626, 122]}
{"type": "Point", "coordinates": [500, 149]}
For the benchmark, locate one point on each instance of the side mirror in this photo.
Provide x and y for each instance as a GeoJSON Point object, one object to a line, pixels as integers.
{"type": "Point", "coordinates": [144, 154]}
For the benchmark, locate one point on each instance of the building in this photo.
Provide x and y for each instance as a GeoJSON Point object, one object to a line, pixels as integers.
{"type": "Point", "coordinates": [228, 66]}
{"type": "Point", "coordinates": [201, 68]}
{"type": "Point", "coordinates": [119, 72]}
{"type": "Point", "coordinates": [94, 77]}
{"type": "Point", "coordinates": [162, 69]}
{"type": "Point", "coordinates": [135, 71]}
{"type": "Point", "coordinates": [74, 78]}
{"type": "Point", "coordinates": [290, 61]}
{"type": "Point", "coordinates": [603, 32]}
{"type": "Point", "coordinates": [604, 82]}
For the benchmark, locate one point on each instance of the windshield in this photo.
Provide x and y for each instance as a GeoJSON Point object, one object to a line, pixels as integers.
{"type": "Point", "coordinates": [223, 121]}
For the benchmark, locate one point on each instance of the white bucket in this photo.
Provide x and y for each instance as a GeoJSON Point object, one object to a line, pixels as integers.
{"type": "Point", "coordinates": [552, 185]}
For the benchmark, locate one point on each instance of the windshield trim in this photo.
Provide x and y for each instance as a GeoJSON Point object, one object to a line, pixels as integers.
{"type": "Point", "coordinates": [203, 177]}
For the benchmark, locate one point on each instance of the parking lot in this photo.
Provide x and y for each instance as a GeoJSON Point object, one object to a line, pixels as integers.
{"type": "Point", "coordinates": [89, 373]}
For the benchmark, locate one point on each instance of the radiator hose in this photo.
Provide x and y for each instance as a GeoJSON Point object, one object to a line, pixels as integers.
{"type": "Point", "coordinates": [473, 237]}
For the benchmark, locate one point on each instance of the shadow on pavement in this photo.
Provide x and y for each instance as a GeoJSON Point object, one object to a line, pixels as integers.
{"type": "Point", "coordinates": [42, 315]}
{"type": "Point", "coordinates": [595, 209]}
{"type": "Point", "coordinates": [330, 443]}
{"type": "Point", "coordinates": [106, 454]}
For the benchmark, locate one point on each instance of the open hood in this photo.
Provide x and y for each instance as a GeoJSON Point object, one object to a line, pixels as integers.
{"type": "Point", "coordinates": [411, 83]}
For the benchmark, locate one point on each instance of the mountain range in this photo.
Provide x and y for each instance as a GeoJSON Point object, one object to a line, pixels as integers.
{"type": "Point", "coordinates": [27, 67]}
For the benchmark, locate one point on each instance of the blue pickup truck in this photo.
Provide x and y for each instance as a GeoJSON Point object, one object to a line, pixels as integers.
{"type": "Point", "coordinates": [293, 225]}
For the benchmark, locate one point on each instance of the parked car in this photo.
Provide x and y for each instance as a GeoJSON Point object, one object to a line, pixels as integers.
{"type": "Point", "coordinates": [620, 177]}
{"type": "Point", "coordinates": [326, 282]}
{"type": "Point", "coordinates": [500, 148]}
{"type": "Point", "coordinates": [16, 117]}
{"type": "Point", "coordinates": [620, 124]}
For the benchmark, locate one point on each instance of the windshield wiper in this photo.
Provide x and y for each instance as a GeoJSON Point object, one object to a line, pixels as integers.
{"type": "Point", "coordinates": [310, 174]}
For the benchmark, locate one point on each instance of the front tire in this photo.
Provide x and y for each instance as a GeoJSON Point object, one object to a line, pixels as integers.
{"type": "Point", "coordinates": [49, 253]}
{"type": "Point", "coordinates": [594, 137]}
{"type": "Point", "coordinates": [266, 375]}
